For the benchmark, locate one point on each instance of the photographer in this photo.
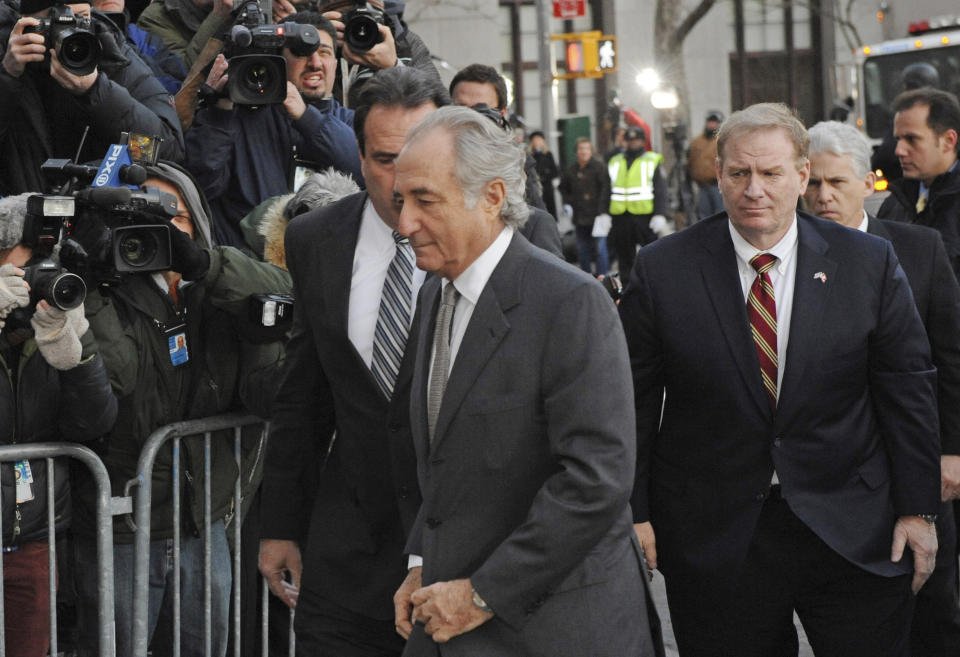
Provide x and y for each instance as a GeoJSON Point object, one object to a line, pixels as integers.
{"type": "Point", "coordinates": [242, 155]}
{"type": "Point", "coordinates": [393, 45]}
{"type": "Point", "coordinates": [185, 26]}
{"type": "Point", "coordinates": [54, 388]}
{"type": "Point", "coordinates": [45, 108]}
{"type": "Point", "coordinates": [174, 351]}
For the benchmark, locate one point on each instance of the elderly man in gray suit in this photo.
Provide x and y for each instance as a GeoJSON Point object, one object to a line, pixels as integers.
{"type": "Point", "coordinates": [521, 411]}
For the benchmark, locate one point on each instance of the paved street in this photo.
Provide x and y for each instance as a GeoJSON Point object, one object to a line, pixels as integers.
{"type": "Point", "coordinates": [660, 598]}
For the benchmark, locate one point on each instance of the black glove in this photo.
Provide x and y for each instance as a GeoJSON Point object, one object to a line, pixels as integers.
{"type": "Point", "coordinates": [188, 257]}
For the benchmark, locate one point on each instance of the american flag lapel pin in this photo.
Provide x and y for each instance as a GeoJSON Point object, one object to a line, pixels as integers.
{"type": "Point", "coordinates": [820, 276]}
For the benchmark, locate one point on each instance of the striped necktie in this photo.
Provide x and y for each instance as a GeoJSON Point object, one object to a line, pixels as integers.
{"type": "Point", "coordinates": [762, 311]}
{"type": "Point", "coordinates": [393, 321]}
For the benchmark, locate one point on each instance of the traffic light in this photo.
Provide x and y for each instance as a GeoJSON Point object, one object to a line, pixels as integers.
{"type": "Point", "coordinates": [587, 54]}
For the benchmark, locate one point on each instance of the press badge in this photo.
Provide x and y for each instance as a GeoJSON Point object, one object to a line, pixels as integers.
{"type": "Point", "coordinates": [24, 478]}
{"type": "Point", "coordinates": [177, 343]}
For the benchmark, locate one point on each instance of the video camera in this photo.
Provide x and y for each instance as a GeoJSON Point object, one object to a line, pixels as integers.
{"type": "Point", "coordinates": [71, 37]}
{"type": "Point", "coordinates": [361, 26]}
{"type": "Point", "coordinates": [254, 50]}
{"type": "Point", "coordinates": [109, 227]}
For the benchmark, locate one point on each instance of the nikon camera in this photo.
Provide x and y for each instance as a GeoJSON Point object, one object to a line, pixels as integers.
{"type": "Point", "coordinates": [361, 26]}
{"type": "Point", "coordinates": [72, 39]}
{"type": "Point", "coordinates": [258, 71]}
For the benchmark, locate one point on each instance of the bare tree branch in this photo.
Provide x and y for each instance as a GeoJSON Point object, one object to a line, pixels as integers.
{"type": "Point", "coordinates": [691, 19]}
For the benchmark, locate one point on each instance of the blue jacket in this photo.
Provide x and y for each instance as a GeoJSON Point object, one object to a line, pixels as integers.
{"type": "Point", "coordinates": [243, 156]}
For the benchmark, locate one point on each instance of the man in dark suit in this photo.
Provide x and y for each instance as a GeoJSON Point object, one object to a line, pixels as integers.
{"type": "Point", "coordinates": [340, 474]}
{"type": "Point", "coordinates": [520, 409]}
{"type": "Point", "coordinates": [840, 179]}
{"type": "Point", "coordinates": [787, 427]}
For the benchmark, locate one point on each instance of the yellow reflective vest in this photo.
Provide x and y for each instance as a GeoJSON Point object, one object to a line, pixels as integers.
{"type": "Point", "coordinates": [632, 189]}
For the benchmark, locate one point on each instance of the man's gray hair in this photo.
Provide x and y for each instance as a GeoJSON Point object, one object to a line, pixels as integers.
{"type": "Point", "coordinates": [483, 152]}
{"type": "Point", "coordinates": [13, 211]}
{"type": "Point", "coordinates": [766, 116]}
{"type": "Point", "coordinates": [842, 139]}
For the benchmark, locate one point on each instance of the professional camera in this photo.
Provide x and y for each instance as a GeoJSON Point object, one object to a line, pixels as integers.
{"type": "Point", "coordinates": [72, 39]}
{"type": "Point", "coordinates": [49, 281]}
{"type": "Point", "coordinates": [257, 69]}
{"type": "Point", "coordinates": [361, 26]}
{"type": "Point", "coordinates": [102, 232]}
{"type": "Point", "coordinates": [269, 318]}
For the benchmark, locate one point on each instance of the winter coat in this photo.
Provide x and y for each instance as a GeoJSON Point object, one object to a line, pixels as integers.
{"type": "Point", "coordinates": [941, 212]}
{"type": "Point", "coordinates": [586, 190]}
{"type": "Point", "coordinates": [225, 372]}
{"type": "Point", "coordinates": [243, 156]}
{"type": "Point", "coordinates": [39, 404]}
{"type": "Point", "coordinates": [41, 120]}
{"type": "Point", "coordinates": [183, 25]}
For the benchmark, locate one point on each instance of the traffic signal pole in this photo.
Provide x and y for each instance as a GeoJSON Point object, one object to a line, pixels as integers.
{"type": "Point", "coordinates": [547, 113]}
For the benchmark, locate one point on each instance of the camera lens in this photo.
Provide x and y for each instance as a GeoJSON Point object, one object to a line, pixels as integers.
{"type": "Point", "coordinates": [361, 33]}
{"type": "Point", "coordinates": [257, 79]}
{"type": "Point", "coordinates": [78, 51]}
{"type": "Point", "coordinates": [138, 249]}
{"type": "Point", "coordinates": [67, 291]}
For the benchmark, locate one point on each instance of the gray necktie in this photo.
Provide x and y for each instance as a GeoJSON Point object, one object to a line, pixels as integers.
{"type": "Point", "coordinates": [441, 357]}
{"type": "Point", "coordinates": [393, 321]}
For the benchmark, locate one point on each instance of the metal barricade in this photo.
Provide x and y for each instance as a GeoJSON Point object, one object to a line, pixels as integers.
{"type": "Point", "coordinates": [200, 429]}
{"type": "Point", "coordinates": [105, 508]}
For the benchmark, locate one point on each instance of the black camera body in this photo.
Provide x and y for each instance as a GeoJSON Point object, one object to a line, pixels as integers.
{"type": "Point", "coordinates": [361, 26]}
{"type": "Point", "coordinates": [254, 50]}
{"type": "Point", "coordinates": [72, 39]}
{"type": "Point", "coordinates": [48, 280]}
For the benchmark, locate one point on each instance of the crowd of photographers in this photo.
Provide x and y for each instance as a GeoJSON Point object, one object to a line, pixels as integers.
{"type": "Point", "coordinates": [148, 162]}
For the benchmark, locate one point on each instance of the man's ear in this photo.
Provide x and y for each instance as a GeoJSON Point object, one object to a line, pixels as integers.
{"type": "Point", "coordinates": [949, 138]}
{"type": "Point", "coordinates": [494, 195]}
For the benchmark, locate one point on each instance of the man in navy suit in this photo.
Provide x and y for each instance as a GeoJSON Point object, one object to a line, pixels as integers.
{"type": "Point", "coordinates": [840, 180]}
{"type": "Point", "coordinates": [787, 428]}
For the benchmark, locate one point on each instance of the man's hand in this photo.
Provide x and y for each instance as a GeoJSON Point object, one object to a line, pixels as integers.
{"type": "Point", "coordinates": [447, 609]}
{"type": "Point", "coordinates": [381, 56]}
{"type": "Point", "coordinates": [217, 80]}
{"type": "Point", "coordinates": [282, 9]}
{"type": "Point", "coordinates": [277, 558]}
{"type": "Point", "coordinates": [402, 605]}
{"type": "Point", "coordinates": [75, 84]}
{"type": "Point", "coordinates": [648, 543]}
{"type": "Point", "coordinates": [293, 103]}
{"type": "Point", "coordinates": [23, 48]}
{"type": "Point", "coordinates": [949, 477]}
{"type": "Point", "coordinates": [921, 536]}
{"type": "Point", "coordinates": [334, 17]}
{"type": "Point", "coordinates": [222, 8]}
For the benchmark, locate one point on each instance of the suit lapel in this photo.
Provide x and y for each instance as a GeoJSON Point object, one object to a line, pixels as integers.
{"type": "Point", "coordinates": [335, 252]}
{"type": "Point", "coordinates": [487, 328]}
{"type": "Point", "coordinates": [815, 274]}
{"type": "Point", "coordinates": [720, 275]}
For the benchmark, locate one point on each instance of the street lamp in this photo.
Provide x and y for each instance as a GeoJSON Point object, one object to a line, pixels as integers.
{"type": "Point", "coordinates": [648, 79]}
{"type": "Point", "coordinates": [664, 99]}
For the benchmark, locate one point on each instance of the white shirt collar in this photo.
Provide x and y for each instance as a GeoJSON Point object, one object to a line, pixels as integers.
{"type": "Point", "coordinates": [473, 279]}
{"type": "Point", "coordinates": [783, 250]}
{"type": "Point", "coordinates": [863, 224]}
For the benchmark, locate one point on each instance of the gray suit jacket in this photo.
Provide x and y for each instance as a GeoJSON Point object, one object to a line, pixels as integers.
{"type": "Point", "coordinates": [527, 481]}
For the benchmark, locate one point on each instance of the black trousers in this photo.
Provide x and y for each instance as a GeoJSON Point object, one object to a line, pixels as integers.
{"type": "Point", "coordinates": [845, 610]}
{"type": "Point", "coordinates": [325, 629]}
{"type": "Point", "coordinates": [936, 618]}
{"type": "Point", "coordinates": [626, 232]}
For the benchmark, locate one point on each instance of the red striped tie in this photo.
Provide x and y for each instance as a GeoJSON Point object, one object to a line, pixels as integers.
{"type": "Point", "coordinates": [762, 310]}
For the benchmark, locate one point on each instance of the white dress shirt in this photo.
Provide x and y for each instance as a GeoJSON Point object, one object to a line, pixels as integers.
{"type": "Point", "coordinates": [371, 260]}
{"type": "Point", "coordinates": [469, 284]}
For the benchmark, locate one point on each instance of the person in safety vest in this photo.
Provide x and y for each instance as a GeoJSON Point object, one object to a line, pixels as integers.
{"type": "Point", "coordinates": [638, 199]}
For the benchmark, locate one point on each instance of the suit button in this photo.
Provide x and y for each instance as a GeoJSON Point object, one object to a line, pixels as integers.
{"type": "Point", "coordinates": [761, 496]}
{"type": "Point", "coordinates": [394, 427]}
{"type": "Point", "coordinates": [776, 441]}
{"type": "Point", "coordinates": [404, 492]}
{"type": "Point", "coordinates": [433, 523]}
{"type": "Point", "coordinates": [436, 461]}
